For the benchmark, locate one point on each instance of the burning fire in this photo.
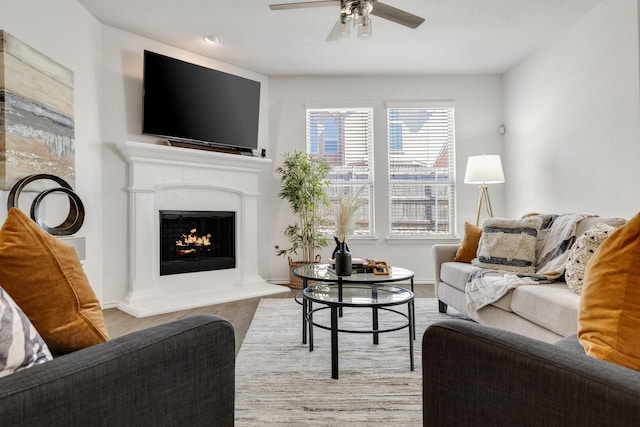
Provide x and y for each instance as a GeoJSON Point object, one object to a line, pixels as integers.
{"type": "Point", "coordinates": [191, 242]}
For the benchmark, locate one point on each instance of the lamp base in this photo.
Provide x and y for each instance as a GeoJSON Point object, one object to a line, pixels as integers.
{"type": "Point", "coordinates": [484, 196]}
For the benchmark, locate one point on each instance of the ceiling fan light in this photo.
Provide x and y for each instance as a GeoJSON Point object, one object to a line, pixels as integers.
{"type": "Point", "coordinates": [361, 14]}
{"type": "Point", "coordinates": [345, 29]}
{"type": "Point", "coordinates": [364, 31]}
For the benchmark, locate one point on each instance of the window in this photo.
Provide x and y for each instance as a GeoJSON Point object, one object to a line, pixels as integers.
{"type": "Point", "coordinates": [421, 170]}
{"type": "Point", "coordinates": [344, 138]}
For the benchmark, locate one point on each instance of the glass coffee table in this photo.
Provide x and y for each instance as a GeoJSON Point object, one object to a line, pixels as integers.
{"type": "Point", "coordinates": [377, 297]}
{"type": "Point", "coordinates": [312, 273]}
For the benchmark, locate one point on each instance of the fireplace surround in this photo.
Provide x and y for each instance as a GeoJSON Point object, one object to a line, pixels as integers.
{"type": "Point", "coordinates": [164, 178]}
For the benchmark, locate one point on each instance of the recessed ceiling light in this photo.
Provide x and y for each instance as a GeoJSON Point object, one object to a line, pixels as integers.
{"type": "Point", "coordinates": [213, 39]}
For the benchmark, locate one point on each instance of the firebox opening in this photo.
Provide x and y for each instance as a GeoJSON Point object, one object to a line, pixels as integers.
{"type": "Point", "coordinates": [193, 241]}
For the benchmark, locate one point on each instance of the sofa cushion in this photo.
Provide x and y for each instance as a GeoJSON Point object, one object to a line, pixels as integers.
{"type": "Point", "coordinates": [469, 246]}
{"type": "Point", "coordinates": [588, 223]}
{"type": "Point", "coordinates": [508, 244]}
{"type": "Point", "coordinates": [46, 280]}
{"type": "Point", "coordinates": [581, 253]}
{"type": "Point", "coordinates": [504, 303]}
{"type": "Point", "coordinates": [456, 274]}
{"type": "Point", "coordinates": [20, 344]}
{"type": "Point", "coordinates": [553, 306]}
{"type": "Point", "coordinates": [610, 306]}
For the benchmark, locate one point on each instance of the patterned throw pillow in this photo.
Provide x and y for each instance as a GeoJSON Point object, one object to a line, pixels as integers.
{"type": "Point", "coordinates": [581, 253]}
{"type": "Point", "coordinates": [508, 244]}
{"type": "Point", "coordinates": [20, 344]}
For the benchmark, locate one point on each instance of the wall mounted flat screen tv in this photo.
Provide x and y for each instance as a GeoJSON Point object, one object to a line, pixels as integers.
{"type": "Point", "coordinates": [184, 102]}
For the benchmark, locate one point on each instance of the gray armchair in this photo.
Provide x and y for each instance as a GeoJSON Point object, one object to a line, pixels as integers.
{"type": "Point", "coordinates": [177, 374]}
{"type": "Point", "coordinates": [474, 375]}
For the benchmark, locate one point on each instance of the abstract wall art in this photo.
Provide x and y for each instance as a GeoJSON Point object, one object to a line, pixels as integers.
{"type": "Point", "coordinates": [36, 114]}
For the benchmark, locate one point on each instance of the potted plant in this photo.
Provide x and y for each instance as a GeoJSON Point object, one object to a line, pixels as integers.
{"type": "Point", "coordinates": [304, 183]}
{"type": "Point", "coordinates": [349, 202]}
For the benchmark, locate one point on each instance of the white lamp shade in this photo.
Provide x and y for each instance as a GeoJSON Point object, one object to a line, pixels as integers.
{"type": "Point", "coordinates": [485, 169]}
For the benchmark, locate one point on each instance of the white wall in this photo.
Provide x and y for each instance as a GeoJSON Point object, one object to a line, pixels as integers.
{"type": "Point", "coordinates": [572, 115]}
{"type": "Point", "coordinates": [107, 66]}
{"type": "Point", "coordinates": [478, 115]}
{"type": "Point", "coordinates": [121, 112]}
{"type": "Point", "coordinates": [64, 31]}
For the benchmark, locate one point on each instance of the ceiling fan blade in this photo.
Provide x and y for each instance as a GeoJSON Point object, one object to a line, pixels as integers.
{"type": "Point", "coordinates": [298, 5]}
{"type": "Point", "coordinates": [396, 15]}
{"type": "Point", "coordinates": [335, 33]}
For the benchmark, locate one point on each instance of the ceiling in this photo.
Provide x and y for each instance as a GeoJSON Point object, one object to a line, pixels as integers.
{"type": "Point", "coordinates": [457, 37]}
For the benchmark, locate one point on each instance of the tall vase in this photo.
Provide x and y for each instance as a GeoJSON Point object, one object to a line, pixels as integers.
{"type": "Point", "coordinates": [343, 260]}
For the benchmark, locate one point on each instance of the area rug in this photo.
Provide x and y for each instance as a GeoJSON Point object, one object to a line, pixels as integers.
{"type": "Point", "coordinates": [279, 382]}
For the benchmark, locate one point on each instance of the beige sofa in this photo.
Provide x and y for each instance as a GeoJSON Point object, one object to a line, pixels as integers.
{"type": "Point", "coordinates": [547, 312]}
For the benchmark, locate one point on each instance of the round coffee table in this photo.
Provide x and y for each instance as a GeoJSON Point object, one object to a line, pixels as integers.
{"type": "Point", "coordinates": [374, 296]}
{"type": "Point", "coordinates": [322, 273]}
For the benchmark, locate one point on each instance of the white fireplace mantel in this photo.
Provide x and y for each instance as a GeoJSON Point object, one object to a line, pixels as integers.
{"type": "Point", "coordinates": [171, 178]}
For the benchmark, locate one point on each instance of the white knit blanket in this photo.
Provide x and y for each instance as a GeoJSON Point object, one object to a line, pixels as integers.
{"type": "Point", "coordinates": [555, 238]}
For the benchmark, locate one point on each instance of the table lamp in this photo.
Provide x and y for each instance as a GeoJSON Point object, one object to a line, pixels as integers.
{"type": "Point", "coordinates": [483, 170]}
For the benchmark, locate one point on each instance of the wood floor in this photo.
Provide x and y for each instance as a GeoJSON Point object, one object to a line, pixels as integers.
{"type": "Point", "coordinates": [239, 313]}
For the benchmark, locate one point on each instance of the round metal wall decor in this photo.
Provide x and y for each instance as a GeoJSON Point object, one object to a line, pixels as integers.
{"type": "Point", "coordinates": [75, 217]}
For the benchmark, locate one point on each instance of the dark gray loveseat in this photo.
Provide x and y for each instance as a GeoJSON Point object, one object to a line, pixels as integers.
{"type": "Point", "coordinates": [474, 375]}
{"type": "Point", "coordinates": [177, 374]}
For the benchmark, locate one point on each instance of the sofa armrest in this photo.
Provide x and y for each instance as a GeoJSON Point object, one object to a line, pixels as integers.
{"type": "Point", "coordinates": [179, 373]}
{"type": "Point", "coordinates": [476, 375]}
{"type": "Point", "coordinates": [443, 252]}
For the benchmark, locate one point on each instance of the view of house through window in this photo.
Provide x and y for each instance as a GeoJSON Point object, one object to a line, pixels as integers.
{"type": "Point", "coordinates": [420, 165]}
{"type": "Point", "coordinates": [344, 138]}
{"type": "Point", "coordinates": [421, 169]}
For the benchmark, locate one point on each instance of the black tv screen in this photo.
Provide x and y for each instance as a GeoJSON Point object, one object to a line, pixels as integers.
{"type": "Point", "coordinates": [186, 102]}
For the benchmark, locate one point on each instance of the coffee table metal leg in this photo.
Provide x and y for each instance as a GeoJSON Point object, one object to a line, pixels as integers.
{"type": "Point", "coordinates": [304, 320]}
{"type": "Point", "coordinates": [413, 312]}
{"type": "Point", "coordinates": [340, 295]}
{"type": "Point", "coordinates": [375, 325]}
{"type": "Point", "coordinates": [310, 323]}
{"type": "Point", "coordinates": [334, 343]}
{"type": "Point", "coordinates": [304, 314]}
{"type": "Point", "coordinates": [412, 330]}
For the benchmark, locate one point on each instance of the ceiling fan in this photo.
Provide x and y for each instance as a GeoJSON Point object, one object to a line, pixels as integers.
{"type": "Point", "coordinates": [357, 11]}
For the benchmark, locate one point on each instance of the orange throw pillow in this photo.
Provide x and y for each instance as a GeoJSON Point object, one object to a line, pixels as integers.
{"type": "Point", "coordinates": [609, 317]}
{"type": "Point", "coordinates": [45, 278]}
{"type": "Point", "coordinates": [469, 246]}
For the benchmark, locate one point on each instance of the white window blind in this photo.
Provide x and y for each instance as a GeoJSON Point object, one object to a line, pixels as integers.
{"type": "Point", "coordinates": [344, 138]}
{"type": "Point", "coordinates": [421, 170]}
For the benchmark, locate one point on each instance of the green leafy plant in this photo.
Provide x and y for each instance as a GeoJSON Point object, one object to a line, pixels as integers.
{"type": "Point", "coordinates": [304, 183]}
